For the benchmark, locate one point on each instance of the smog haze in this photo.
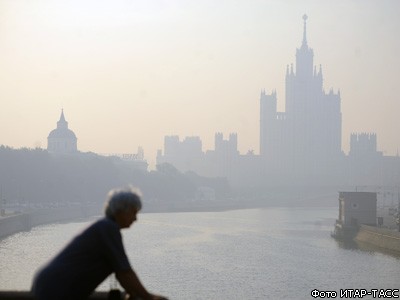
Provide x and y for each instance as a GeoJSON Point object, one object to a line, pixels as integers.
{"type": "Point", "coordinates": [128, 73]}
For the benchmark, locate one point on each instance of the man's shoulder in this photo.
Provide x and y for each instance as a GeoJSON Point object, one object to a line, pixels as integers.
{"type": "Point", "coordinates": [101, 229]}
{"type": "Point", "coordinates": [105, 223]}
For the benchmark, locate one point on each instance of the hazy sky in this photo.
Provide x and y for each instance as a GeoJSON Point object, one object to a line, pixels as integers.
{"type": "Point", "coordinates": [127, 73]}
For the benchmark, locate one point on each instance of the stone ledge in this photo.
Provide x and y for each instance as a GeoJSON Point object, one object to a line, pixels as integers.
{"type": "Point", "coordinates": [24, 295]}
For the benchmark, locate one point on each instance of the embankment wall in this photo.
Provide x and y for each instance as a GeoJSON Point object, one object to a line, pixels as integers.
{"type": "Point", "coordinates": [380, 237]}
{"type": "Point", "coordinates": [13, 224]}
{"type": "Point", "coordinates": [25, 221]}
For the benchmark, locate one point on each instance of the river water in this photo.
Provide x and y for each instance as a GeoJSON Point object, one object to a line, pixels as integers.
{"type": "Point", "coordinates": [269, 253]}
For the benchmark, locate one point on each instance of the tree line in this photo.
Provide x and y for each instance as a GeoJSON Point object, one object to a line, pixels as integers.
{"type": "Point", "coordinates": [35, 176]}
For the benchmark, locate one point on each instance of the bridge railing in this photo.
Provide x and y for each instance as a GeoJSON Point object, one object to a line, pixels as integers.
{"type": "Point", "coordinates": [24, 295]}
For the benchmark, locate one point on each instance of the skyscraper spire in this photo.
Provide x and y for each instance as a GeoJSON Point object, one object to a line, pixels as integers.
{"type": "Point", "coordinates": [305, 31]}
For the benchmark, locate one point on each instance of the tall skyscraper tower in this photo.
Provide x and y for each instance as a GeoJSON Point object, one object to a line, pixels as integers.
{"type": "Point", "coordinates": [304, 141]}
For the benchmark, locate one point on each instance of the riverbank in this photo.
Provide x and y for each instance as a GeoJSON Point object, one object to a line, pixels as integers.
{"type": "Point", "coordinates": [379, 237]}
{"type": "Point", "coordinates": [315, 201]}
{"type": "Point", "coordinates": [25, 221]}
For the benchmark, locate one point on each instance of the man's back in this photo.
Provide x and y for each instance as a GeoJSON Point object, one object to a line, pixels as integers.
{"type": "Point", "coordinates": [83, 264]}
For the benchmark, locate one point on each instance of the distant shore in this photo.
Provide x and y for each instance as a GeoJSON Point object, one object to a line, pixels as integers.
{"type": "Point", "coordinates": [25, 221]}
{"type": "Point", "coordinates": [211, 206]}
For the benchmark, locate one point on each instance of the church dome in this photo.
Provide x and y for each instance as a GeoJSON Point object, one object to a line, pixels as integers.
{"type": "Point", "coordinates": [60, 133]}
{"type": "Point", "coordinates": [62, 139]}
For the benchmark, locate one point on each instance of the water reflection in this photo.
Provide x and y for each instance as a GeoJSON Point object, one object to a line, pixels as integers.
{"type": "Point", "coordinates": [350, 244]}
{"type": "Point", "coordinates": [276, 253]}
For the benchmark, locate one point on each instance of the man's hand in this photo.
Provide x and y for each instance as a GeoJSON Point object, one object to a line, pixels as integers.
{"type": "Point", "coordinates": [158, 297]}
{"type": "Point", "coordinates": [134, 288]}
{"type": "Point", "coordinates": [152, 297]}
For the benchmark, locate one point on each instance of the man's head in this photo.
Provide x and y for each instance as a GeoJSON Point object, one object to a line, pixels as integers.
{"type": "Point", "coordinates": [122, 205]}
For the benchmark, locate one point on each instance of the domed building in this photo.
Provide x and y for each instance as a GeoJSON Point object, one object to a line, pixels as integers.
{"type": "Point", "coordinates": [62, 139]}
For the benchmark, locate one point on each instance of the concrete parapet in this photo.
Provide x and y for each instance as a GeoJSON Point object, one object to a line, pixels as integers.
{"type": "Point", "coordinates": [17, 295]}
{"type": "Point", "coordinates": [13, 224]}
{"type": "Point", "coordinates": [380, 237]}
{"type": "Point", "coordinates": [25, 221]}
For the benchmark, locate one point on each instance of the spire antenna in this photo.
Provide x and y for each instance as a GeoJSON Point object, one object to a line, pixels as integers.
{"type": "Point", "coordinates": [305, 30]}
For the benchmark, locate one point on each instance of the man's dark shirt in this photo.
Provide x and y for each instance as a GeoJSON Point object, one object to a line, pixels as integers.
{"type": "Point", "coordinates": [83, 264]}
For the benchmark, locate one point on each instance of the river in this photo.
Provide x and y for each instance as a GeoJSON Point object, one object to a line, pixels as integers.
{"type": "Point", "coordinates": [269, 253]}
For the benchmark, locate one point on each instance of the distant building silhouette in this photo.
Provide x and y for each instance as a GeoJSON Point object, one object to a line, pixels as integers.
{"type": "Point", "coordinates": [363, 145]}
{"type": "Point", "coordinates": [62, 139]}
{"type": "Point", "coordinates": [224, 161]}
{"type": "Point", "coordinates": [135, 160]}
{"type": "Point", "coordinates": [299, 147]}
{"type": "Point", "coordinates": [305, 141]}
{"type": "Point", "coordinates": [365, 163]}
{"type": "Point", "coordinates": [185, 155]}
{"type": "Point", "coordinates": [225, 155]}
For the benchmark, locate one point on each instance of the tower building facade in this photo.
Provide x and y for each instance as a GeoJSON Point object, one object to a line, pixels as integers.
{"type": "Point", "coordinates": [299, 147]}
{"type": "Point", "coordinates": [305, 140]}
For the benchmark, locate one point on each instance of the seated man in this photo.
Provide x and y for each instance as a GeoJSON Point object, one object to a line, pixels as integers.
{"type": "Point", "coordinates": [93, 255]}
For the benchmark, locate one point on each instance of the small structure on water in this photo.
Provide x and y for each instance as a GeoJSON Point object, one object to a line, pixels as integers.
{"type": "Point", "coordinates": [355, 208]}
{"type": "Point", "coordinates": [357, 222]}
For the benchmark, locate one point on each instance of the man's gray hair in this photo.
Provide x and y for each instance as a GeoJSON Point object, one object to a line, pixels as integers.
{"type": "Point", "coordinates": [119, 200]}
